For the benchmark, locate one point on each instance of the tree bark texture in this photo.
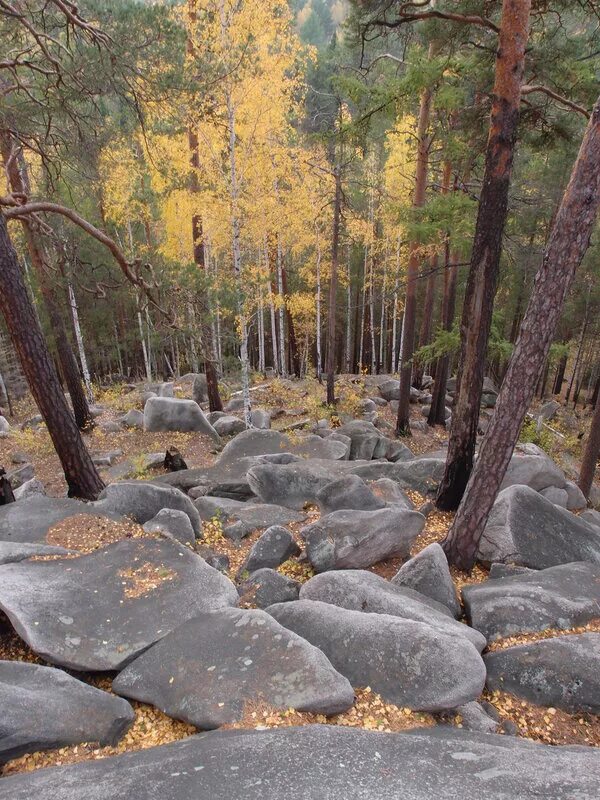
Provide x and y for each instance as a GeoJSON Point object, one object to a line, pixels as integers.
{"type": "Point", "coordinates": [332, 311]}
{"type": "Point", "coordinates": [566, 247]}
{"type": "Point", "coordinates": [485, 257]}
{"type": "Point", "coordinates": [591, 454]}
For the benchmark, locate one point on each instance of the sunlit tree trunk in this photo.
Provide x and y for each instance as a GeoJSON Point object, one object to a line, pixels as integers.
{"type": "Point", "coordinates": [331, 319]}
{"type": "Point", "coordinates": [395, 308]}
{"type": "Point", "coordinates": [22, 323]}
{"type": "Point", "coordinates": [80, 345]}
{"type": "Point", "coordinates": [282, 364]}
{"type": "Point", "coordinates": [318, 305]}
{"type": "Point", "coordinates": [566, 247]}
{"type": "Point", "coordinates": [363, 304]}
{"type": "Point", "coordinates": [348, 312]}
{"type": "Point", "coordinates": [485, 257]}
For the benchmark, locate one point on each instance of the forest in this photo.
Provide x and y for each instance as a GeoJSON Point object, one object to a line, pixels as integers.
{"type": "Point", "coordinates": [330, 267]}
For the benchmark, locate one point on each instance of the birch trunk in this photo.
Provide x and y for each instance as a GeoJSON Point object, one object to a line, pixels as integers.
{"type": "Point", "coordinates": [80, 346]}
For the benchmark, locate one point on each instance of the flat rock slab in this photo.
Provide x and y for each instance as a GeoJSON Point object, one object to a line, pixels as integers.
{"type": "Point", "coordinates": [254, 515]}
{"type": "Point", "coordinates": [44, 708]}
{"type": "Point", "coordinates": [558, 597]}
{"type": "Point", "coordinates": [359, 590]}
{"type": "Point", "coordinates": [357, 539]}
{"type": "Point", "coordinates": [99, 611]}
{"type": "Point", "coordinates": [536, 470]}
{"type": "Point", "coordinates": [420, 474]}
{"type": "Point", "coordinates": [170, 414]}
{"type": "Point", "coordinates": [29, 520]}
{"type": "Point", "coordinates": [257, 442]}
{"type": "Point", "coordinates": [349, 491]}
{"type": "Point", "coordinates": [325, 762]}
{"type": "Point", "coordinates": [12, 552]}
{"type": "Point", "coordinates": [212, 666]}
{"type": "Point", "coordinates": [408, 663]}
{"type": "Point", "coordinates": [561, 673]}
{"type": "Point", "coordinates": [526, 528]}
{"type": "Point", "coordinates": [290, 485]}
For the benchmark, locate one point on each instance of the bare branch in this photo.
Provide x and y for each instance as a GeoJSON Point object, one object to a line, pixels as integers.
{"type": "Point", "coordinates": [528, 89]}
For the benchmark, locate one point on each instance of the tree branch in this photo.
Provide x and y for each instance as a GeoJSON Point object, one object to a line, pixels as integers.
{"type": "Point", "coordinates": [465, 19]}
{"type": "Point", "coordinates": [527, 89]}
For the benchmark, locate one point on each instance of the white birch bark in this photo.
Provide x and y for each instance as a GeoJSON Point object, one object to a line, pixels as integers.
{"type": "Point", "coordinates": [79, 338]}
{"type": "Point", "coordinates": [281, 310]}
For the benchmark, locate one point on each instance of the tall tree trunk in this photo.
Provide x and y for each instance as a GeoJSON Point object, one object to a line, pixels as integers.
{"type": "Point", "coordinates": [437, 412]}
{"type": "Point", "coordinates": [485, 257]}
{"type": "Point", "coordinates": [560, 374]}
{"type": "Point", "coordinates": [591, 453]}
{"type": "Point", "coordinates": [426, 318]}
{"type": "Point", "coordinates": [293, 348]}
{"type": "Point", "coordinates": [80, 346]}
{"type": "Point", "coordinates": [565, 248]}
{"type": "Point", "coordinates": [348, 312]}
{"type": "Point", "coordinates": [412, 270]}
{"type": "Point", "coordinates": [318, 308]}
{"type": "Point", "coordinates": [16, 306]}
{"type": "Point", "coordinates": [395, 308]}
{"type": "Point", "coordinates": [331, 318]}
{"type": "Point", "coordinates": [363, 306]}
{"type": "Point", "coordinates": [584, 327]}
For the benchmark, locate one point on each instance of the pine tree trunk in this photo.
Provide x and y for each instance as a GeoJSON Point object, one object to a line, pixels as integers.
{"type": "Point", "coordinates": [412, 271]}
{"type": "Point", "coordinates": [293, 348]}
{"type": "Point", "coordinates": [331, 318]}
{"type": "Point", "coordinates": [426, 318]}
{"type": "Point", "coordinates": [563, 253]}
{"type": "Point", "coordinates": [348, 313]}
{"type": "Point", "coordinates": [485, 257]}
{"type": "Point", "coordinates": [591, 454]}
{"type": "Point", "coordinates": [437, 412]}
{"type": "Point", "coordinates": [80, 473]}
{"type": "Point", "coordinates": [318, 307]}
{"type": "Point", "coordinates": [560, 375]}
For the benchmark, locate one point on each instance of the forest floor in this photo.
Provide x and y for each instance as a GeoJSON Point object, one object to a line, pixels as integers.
{"type": "Point", "coordinates": [300, 401]}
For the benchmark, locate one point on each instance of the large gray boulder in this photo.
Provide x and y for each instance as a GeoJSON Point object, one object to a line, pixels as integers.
{"type": "Point", "coordinates": [44, 708]}
{"type": "Point", "coordinates": [561, 673]}
{"type": "Point", "coordinates": [575, 497]}
{"type": "Point", "coordinates": [265, 587]}
{"type": "Point", "coordinates": [428, 573]}
{"type": "Point", "coordinates": [171, 522]}
{"type": "Point", "coordinates": [390, 390]}
{"type": "Point", "coordinates": [274, 547]}
{"type": "Point", "coordinates": [170, 414]}
{"type": "Point", "coordinates": [229, 425]}
{"type": "Point", "coordinates": [420, 474]}
{"type": "Point", "coordinates": [560, 597]}
{"type": "Point", "coordinates": [526, 528]}
{"type": "Point", "coordinates": [207, 670]}
{"type": "Point", "coordinates": [390, 493]}
{"type": "Point", "coordinates": [408, 663]}
{"type": "Point", "coordinates": [99, 611]}
{"type": "Point", "coordinates": [290, 485]}
{"type": "Point", "coordinates": [533, 468]}
{"type": "Point", "coordinates": [359, 590]}
{"type": "Point", "coordinates": [261, 419]}
{"type": "Point", "coordinates": [142, 501]}
{"type": "Point", "coordinates": [357, 539]}
{"type": "Point", "coordinates": [256, 442]}
{"type": "Point", "coordinates": [30, 520]}
{"type": "Point", "coordinates": [4, 425]}
{"type": "Point", "coordinates": [350, 492]}
{"type": "Point", "coordinates": [591, 516]}
{"type": "Point", "coordinates": [325, 762]}
{"type": "Point", "coordinates": [253, 515]}
{"type": "Point", "coordinates": [133, 419]}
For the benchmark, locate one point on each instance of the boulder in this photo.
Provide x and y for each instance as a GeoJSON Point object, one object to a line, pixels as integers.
{"type": "Point", "coordinates": [351, 539]}
{"type": "Point", "coordinates": [99, 611]}
{"type": "Point", "coordinates": [350, 492]}
{"type": "Point", "coordinates": [261, 419]}
{"type": "Point", "coordinates": [265, 587]}
{"type": "Point", "coordinates": [169, 414]}
{"type": "Point", "coordinates": [207, 670]}
{"type": "Point", "coordinates": [534, 469]}
{"type": "Point", "coordinates": [575, 497]}
{"type": "Point", "coordinates": [253, 515]}
{"type": "Point", "coordinates": [111, 426]}
{"type": "Point", "coordinates": [314, 762]}
{"type": "Point", "coordinates": [408, 663]}
{"type": "Point", "coordinates": [133, 419]}
{"type": "Point", "coordinates": [17, 477]}
{"type": "Point", "coordinates": [366, 441]}
{"type": "Point", "coordinates": [165, 390]}
{"type": "Point", "coordinates": [390, 390]}
{"type": "Point", "coordinates": [254, 442]}
{"type": "Point", "coordinates": [558, 497]}
{"type": "Point", "coordinates": [173, 523]}
{"type": "Point", "coordinates": [12, 552]}
{"type": "Point", "coordinates": [548, 411]}
{"type": "Point", "coordinates": [200, 389]}
{"type": "Point", "coordinates": [526, 528]}
{"type": "Point", "coordinates": [558, 597]}
{"type": "Point", "coordinates": [563, 672]}
{"type": "Point", "coordinates": [213, 416]}
{"type": "Point", "coordinates": [44, 708]}
{"type": "Point", "coordinates": [4, 426]}
{"type": "Point", "coordinates": [473, 717]}
{"type": "Point", "coordinates": [419, 475]}
{"type": "Point", "coordinates": [429, 574]}
{"type": "Point", "coordinates": [591, 516]}
{"type": "Point", "coordinates": [142, 501]}
{"type": "Point", "coordinates": [228, 425]}
{"type": "Point", "coordinates": [274, 547]}
{"type": "Point", "coordinates": [390, 493]}
{"type": "Point", "coordinates": [358, 590]}
{"type": "Point", "coordinates": [30, 488]}
{"type": "Point", "coordinates": [29, 520]}
{"type": "Point", "coordinates": [290, 485]}
{"type": "Point", "coordinates": [217, 560]}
